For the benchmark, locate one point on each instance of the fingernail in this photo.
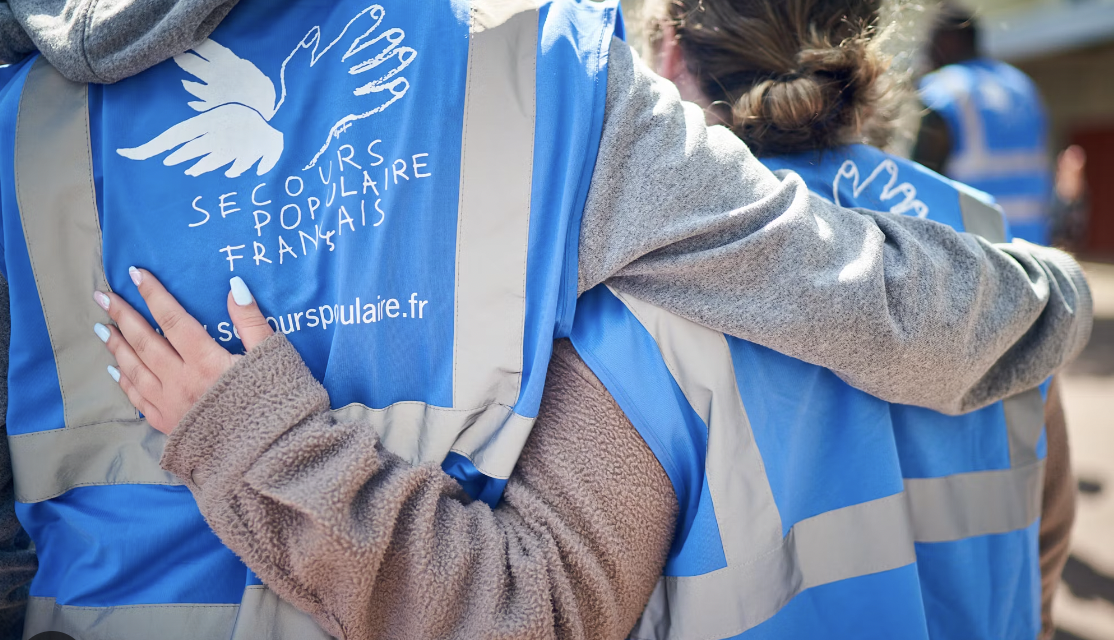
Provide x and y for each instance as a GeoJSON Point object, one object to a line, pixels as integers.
{"type": "Point", "coordinates": [114, 372]}
{"type": "Point", "coordinates": [136, 274]}
{"type": "Point", "coordinates": [102, 332]}
{"type": "Point", "coordinates": [240, 292]}
{"type": "Point", "coordinates": [102, 300]}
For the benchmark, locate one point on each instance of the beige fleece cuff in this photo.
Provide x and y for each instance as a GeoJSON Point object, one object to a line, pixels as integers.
{"type": "Point", "coordinates": [262, 396]}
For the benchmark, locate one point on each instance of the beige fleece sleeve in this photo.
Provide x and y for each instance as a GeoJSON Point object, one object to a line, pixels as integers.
{"type": "Point", "coordinates": [373, 547]}
{"type": "Point", "coordinates": [1058, 508]}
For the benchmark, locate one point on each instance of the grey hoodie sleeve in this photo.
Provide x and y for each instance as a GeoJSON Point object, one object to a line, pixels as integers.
{"type": "Point", "coordinates": [684, 216]}
{"type": "Point", "coordinates": [106, 40]}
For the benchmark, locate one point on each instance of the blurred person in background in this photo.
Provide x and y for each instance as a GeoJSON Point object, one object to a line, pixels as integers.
{"type": "Point", "coordinates": [805, 85]}
{"type": "Point", "coordinates": [1070, 204]}
{"type": "Point", "coordinates": [985, 125]}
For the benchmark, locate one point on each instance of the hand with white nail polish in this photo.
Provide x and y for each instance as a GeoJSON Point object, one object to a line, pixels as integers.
{"type": "Point", "coordinates": [164, 375]}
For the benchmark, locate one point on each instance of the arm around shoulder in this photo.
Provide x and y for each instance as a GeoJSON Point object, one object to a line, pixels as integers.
{"type": "Point", "coordinates": [684, 216]}
{"type": "Point", "coordinates": [374, 547]}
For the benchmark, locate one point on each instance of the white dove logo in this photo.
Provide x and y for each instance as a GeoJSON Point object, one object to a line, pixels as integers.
{"type": "Point", "coordinates": [237, 102]}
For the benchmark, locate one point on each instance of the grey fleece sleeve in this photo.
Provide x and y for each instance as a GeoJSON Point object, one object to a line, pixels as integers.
{"type": "Point", "coordinates": [106, 40]}
{"type": "Point", "coordinates": [17, 559]}
{"type": "Point", "coordinates": [373, 547]}
{"type": "Point", "coordinates": [684, 216]}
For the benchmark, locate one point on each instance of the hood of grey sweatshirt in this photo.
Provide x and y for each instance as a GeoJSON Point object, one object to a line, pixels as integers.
{"type": "Point", "coordinates": [105, 40]}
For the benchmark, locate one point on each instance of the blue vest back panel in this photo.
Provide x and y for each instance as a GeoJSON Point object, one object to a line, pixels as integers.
{"type": "Point", "coordinates": [961, 601]}
{"type": "Point", "coordinates": [826, 446]}
{"type": "Point", "coordinates": [998, 132]}
{"type": "Point", "coordinates": [316, 151]}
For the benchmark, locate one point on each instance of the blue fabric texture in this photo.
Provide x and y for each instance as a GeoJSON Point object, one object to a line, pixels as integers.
{"type": "Point", "coordinates": [340, 213]}
{"type": "Point", "coordinates": [826, 445]}
{"type": "Point", "coordinates": [881, 606]}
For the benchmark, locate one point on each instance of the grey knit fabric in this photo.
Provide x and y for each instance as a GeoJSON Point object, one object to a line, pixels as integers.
{"type": "Point", "coordinates": [682, 215]}
{"type": "Point", "coordinates": [106, 40]}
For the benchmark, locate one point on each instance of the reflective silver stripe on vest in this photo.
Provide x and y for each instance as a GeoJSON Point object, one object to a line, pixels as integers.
{"type": "Point", "coordinates": [265, 616]}
{"type": "Point", "coordinates": [493, 226]}
{"type": "Point", "coordinates": [260, 616]}
{"type": "Point", "coordinates": [162, 621]}
{"type": "Point", "coordinates": [492, 437]}
{"type": "Point", "coordinates": [113, 446]}
{"type": "Point", "coordinates": [58, 209]}
{"type": "Point", "coordinates": [978, 162]}
{"type": "Point", "coordinates": [981, 219]}
{"type": "Point", "coordinates": [47, 464]}
{"type": "Point", "coordinates": [103, 441]}
{"type": "Point", "coordinates": [1020, 210]}
{"type": "Point", "coordinates": [982, 503]}
{"type": "Point", "coordinates": [764, 569]}
{"type": "Point", "coordinates": [1025, 422]}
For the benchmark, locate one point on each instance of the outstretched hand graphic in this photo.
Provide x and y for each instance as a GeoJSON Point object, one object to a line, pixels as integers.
{"type": "Point", "coordinates": [376, 61]}
{"type": "Point", "coordinates": [240, 120]}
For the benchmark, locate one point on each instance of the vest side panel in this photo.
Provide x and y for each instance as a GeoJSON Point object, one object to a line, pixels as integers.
{"type": "Point", "coordinates": [34, 393]}
{"type": "Point", "coordinates": [573, 46]}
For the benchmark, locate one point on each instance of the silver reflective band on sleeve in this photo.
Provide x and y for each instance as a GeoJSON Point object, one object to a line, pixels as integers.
{"type": "Point", "coordinates": [981, 219]}
{"type": "Point", "coordinates": [764, 569]}
{"type": "Point", "coordinates": [46, 464]}
{"type": "Point", "coordinates": [978, 162]}
{"type": "Point", "coordinates": [493, 225]}
{"type": "Point", "coordinates": [58, 210]}
{"type": "Point", "coordinates": [975, 504]}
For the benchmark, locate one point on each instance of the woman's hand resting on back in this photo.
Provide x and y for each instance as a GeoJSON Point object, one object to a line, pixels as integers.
{"type": "Point", "coordinates": [164, 375]}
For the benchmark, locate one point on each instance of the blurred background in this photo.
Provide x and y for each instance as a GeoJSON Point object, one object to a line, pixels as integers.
{"type": "Point", "coordinates": [1067, 48]}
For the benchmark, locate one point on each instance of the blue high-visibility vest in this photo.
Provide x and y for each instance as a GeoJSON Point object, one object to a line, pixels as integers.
{"type": "Point", "coordinates": [999, 136]}
{"type": "Point", "coordinates": [399, 183]}
{"type": "Point", "coordinates": [810, 509]}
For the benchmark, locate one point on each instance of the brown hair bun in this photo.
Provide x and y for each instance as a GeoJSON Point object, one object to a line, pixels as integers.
{"type": "Point", "coordinates": [789, 75]}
